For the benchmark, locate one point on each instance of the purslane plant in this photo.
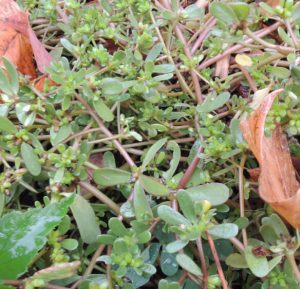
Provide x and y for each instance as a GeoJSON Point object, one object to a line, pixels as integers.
{"type": "Point", "coordinates": [128, 168]}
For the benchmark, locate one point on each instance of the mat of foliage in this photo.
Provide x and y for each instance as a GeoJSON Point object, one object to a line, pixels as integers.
{"type": "Point", "coordinates": [149, 144]}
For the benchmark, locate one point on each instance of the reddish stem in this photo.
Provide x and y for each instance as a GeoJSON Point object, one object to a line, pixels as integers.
{"type": "Point", "coordinates": [101, 125]}
{"type": "Point", "coordinates": [188, 54]}
{"type": "Point", "coordinates": [217, 260]}
{"type": "Point", "coordinates": [203, 263]}
{"type": "Point", "coordinates": [292, 34]}
{"type": "Point", "coordinates": [261, 33]}
{"type": "Point", "coordinates": [251, 82]}
{"type": "Point", "coordinates": [211, 23]}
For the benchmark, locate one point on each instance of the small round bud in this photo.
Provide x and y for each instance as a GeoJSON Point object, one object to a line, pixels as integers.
{"type": "Point", "coordinates": [206, 205]}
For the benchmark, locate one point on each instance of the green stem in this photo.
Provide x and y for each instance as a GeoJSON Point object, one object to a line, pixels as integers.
{"type": "Point", "coordinates": [291, 259]}
{"type": "Point", "coordinates": [182, 81]}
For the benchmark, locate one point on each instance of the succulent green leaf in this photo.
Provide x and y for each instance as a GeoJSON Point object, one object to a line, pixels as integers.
{"type": "Point", "coordinates": [215, 193]}
{"type": "Point", "coordinates": [63, 133]}
{"type": "Point", "coordinates": [213, 102]}
{"type": "Point", "coordinates": [152, 152]}
{"type": "Point", "coordinates": [13, 75]}
{"type": "Point", "coordinates": [186, 205]}
{"type": "Point", "coordinates": [223, 12]}
{"type": "Point", "coordinates": [224, 231]}
{"type": "Point", "coordinates": [111, 86]}
{"type": "Point", "coordinates": [236, 260]}
{"type": "Point", "coordinates": [188, 264]}
{"type": "Point", "coordinates": [164, 68]}
{"type": "Point", "coordinates": [110, 177]}
{"type": "Point", "coordinates": [24, 234]}
{"type": "Point", "coordinates": [154, 52]}
{"type": "Point", "coordinates": [31, 160]}
{"type": "Point", "coordinates": [258, 265]}
{"type": "Point", "coordinates": [117, 227]}
{"type": "Point", "coordinates": [7, 126]}
{"type": "Point", "coordinates": [194, 12]}
{"type": "Point", "coordinates": [153, 187]}
{"type": "Point", "coordinates": [85, 218]}
{"type": "Point", "coordinates": [106, 239]}
{"type": "Point", "coordinates": [241, 9]}
{"type": "Point", "coordinates": [176, 246]}
{"type": "Point", "coordinates": [172, 145]}
{"type": "Point", "coordinates": [171, 217]}
{"type": "Point", "coordinates": [103, 110]}
{"type": "Point", "coordinates": [140, 203]}
{"type": "Point", "coordinates": [168, 263]}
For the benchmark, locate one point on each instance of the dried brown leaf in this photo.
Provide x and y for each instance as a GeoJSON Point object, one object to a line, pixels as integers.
{"type": "Point", "coordinates": [13, 21]}
{"type": "Point", "coordinates": [278, 185]}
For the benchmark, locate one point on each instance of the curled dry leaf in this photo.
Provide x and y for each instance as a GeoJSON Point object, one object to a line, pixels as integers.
{"type": "Point", "coordinates": [43, 81]}
{"type": "Point", "coordinates": [18, 41]}
{"type": "Point", "coordinates": [255, 173]}
{"type": "Point", "coordinates": [272, 3]}
{"type": "Point", "coordinates": [17, 49]}
{"type": "Point", "coordinates": [278, 185]}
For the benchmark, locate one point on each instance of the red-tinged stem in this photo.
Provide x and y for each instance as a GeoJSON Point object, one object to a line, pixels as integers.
{"type": "Point", "coordinates": [118, 145]}
{"type": "Point", "coordinates": [212, 22]}
{"type": "Point", "coordinates": [237, 244]}
{"type": "Point", "coordinates": [183, 277]}
{"type": "Point", "coordinates": [261, 33]}
{"type": "Point", "coordinates": [188, 54]}
{"type": "Point", "coordinates": [196, 34]}
{"type": "Point", "coordinates": [292, 34]}
{"type": "Point", "coordinates": [252, 83]}
{"type": "Point", "coordinates": [242, 196]}
{"type": "Point", "coordinates": [100, 196]}
{"type": "Point", "coordinates": [90, 267]}
{"type": "Point", "coordinates": [203, 263]}
{"type": "Point", "coordinates": [217, 260]}
{"type": "Point", "coordinates": [19, 284]}
{"type": "Point", "coordinates": [281, 49]}
{"type": "Point", "coordinates": [190, 170]}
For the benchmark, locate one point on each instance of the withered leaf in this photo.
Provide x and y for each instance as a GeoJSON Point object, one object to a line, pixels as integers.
{"type": "Point", "coordinates": [278, 185]}
{"type": "Point", "coordinates": [18, 40]}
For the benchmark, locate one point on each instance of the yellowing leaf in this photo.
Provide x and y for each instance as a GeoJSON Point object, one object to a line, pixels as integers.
{"type": "Point", "coordinates": [243, 60]}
